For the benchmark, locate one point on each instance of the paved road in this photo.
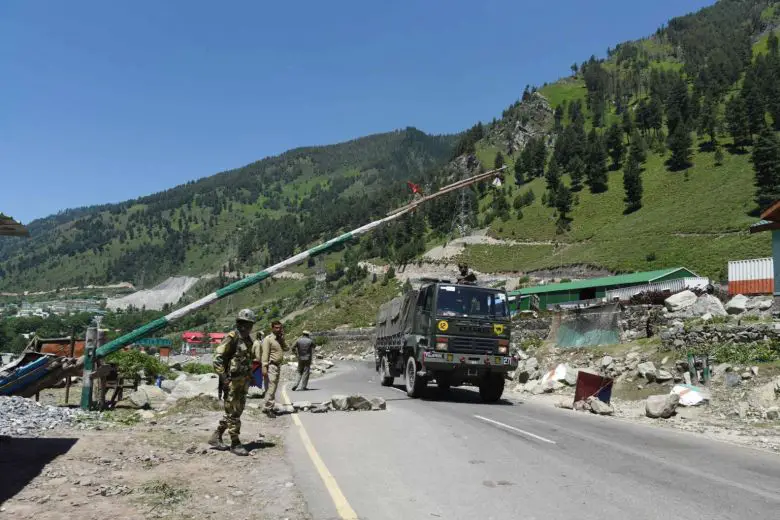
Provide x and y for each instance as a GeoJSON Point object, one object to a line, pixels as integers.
{"type": "Point", "coordinates": [456, 458]}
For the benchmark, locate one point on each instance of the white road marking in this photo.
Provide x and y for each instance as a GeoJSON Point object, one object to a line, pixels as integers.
{"type": "Point", "coordinates": [398, 390]}
{"type": "Point", "coordinates": [512, 428]}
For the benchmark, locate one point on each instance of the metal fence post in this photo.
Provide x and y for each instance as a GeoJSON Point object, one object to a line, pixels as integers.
{"type": "Point", "coordinates": [90, 345]}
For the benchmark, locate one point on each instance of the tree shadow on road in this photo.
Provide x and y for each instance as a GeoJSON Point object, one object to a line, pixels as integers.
{"type": "Point", "coordinates": [23, 459]}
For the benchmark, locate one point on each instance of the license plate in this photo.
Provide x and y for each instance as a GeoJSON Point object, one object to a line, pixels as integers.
{"type": "Point", "coordinates": [498, 361]}
{"type": "Point", "coordinates": [449, 357]}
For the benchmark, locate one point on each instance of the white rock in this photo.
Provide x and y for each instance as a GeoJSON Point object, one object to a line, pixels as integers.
{"type": "Point", "coordinates": [661, 406]}
{"type": "Point", "coordinates": [680, 301]}
{"type": "Point", "coordinates": [340, 402]}
{"type": "Point", "coordinates": [599, 407]}
{"type": "Point", "coordinates": [706, 317]}
{"type": "Point", "coordinates": [377, 403]}
{"type": "Point", "coordinates": [187, 389]}
{"type": "Point", "coordinates": [737, 305]}
{"type": "Point", "coordinates": [708, 304]}
{"type": "Point", "coordinates": [647, 370]}
{"type": "Point", "coordinates": [207, 377]}
{"type": "Point", "coordinates": [606, 361]}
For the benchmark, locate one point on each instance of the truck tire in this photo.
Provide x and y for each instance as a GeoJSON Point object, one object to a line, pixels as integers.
{"type": "Point", "coordinates": [491, 388]}
{"type": "Point", "coordinates": [414, 384]}
{"type": "Point", "coordinates": [385, 377]}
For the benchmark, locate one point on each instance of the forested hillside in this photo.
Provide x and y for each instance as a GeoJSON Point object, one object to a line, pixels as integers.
{"type": "Point", "coordinates": [240, 219]}
{"type": "Point", "coordinates": [659, 154]}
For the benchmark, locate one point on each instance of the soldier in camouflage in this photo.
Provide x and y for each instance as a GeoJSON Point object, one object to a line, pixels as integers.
{"type": "Point", "coordinates": [233, 364]}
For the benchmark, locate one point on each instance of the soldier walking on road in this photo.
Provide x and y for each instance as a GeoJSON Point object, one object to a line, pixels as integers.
{"type": "Point", "coordinates": [273, 349]}
{"type": "Point", "coordinates": [233, 363]}
{"type": "Point", "coordinates": [304, 351]}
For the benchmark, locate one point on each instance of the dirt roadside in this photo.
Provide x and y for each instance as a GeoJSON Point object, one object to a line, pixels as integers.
{"type": "Point", "coordinates": [145, 465]}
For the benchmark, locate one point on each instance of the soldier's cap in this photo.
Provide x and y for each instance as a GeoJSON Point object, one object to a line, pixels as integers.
{"type": "Point", "coordinates": [306, 333]}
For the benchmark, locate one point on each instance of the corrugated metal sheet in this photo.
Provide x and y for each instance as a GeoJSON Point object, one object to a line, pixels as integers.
{"type": "Point", "coordinates": [673, 286]}
{"type": "Point", "coordinates": [608, 281]}
{"type": "Point", "coordinates": [755, 276]}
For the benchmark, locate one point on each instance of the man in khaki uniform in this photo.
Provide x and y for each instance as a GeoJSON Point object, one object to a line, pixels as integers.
{"type": "Point", "coordinates": [273, 349]}
{"type": "Point", "coordinates": [233, 364]}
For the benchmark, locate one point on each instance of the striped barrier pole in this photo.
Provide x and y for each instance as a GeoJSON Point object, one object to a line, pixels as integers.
{"type": "Point", "coordinates": [256, 278]}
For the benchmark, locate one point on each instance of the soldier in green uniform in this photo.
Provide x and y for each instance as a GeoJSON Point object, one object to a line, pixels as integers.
{"type": "Point", "coordinates": [233, 364]}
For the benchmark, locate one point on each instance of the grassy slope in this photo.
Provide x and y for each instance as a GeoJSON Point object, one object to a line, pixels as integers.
{"type": "Point", "coordinates": [698, 220]}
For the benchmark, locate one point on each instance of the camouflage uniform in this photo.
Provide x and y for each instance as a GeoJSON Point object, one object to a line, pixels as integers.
{"type": "Point", "coordinates": [233, 362]}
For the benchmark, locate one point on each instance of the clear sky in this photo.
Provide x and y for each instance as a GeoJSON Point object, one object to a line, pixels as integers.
{"type": "Point", "coordinates": [103, 101]}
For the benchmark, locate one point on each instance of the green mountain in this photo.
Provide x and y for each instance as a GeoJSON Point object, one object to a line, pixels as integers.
{"type": "Point", "coordinates": [640, 160]}
{"type": "Point", "coordinates": [696, 97]}
{"type": "Point", "coordinates": [238, 219]}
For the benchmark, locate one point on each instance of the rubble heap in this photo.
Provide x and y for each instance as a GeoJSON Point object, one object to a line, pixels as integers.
{"type": "Point", "coordinates": [24, 417]}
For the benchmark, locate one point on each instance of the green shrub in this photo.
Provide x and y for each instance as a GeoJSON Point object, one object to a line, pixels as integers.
{"type": "Point", "coordinates": [131, 362]}
{"type": "Point", "coordinates": [197, 368]}
{"type": "Point", "coordinates": [761, 352]}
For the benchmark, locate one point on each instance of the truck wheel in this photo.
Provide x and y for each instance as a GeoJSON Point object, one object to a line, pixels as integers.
{"type": "Point", "coordinates": [491, 388]}
{"type": "Point", "coordinates": [414, 384]}
{"type": "Point", "coordinates": [385, 378]}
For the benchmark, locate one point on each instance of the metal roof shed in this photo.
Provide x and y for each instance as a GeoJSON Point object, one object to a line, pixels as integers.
{"type": "Point", "coordinates": [597, 287]}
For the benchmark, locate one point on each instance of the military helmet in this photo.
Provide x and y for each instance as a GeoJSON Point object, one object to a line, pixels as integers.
{"type": "Point", "coordinates": [246, 315]}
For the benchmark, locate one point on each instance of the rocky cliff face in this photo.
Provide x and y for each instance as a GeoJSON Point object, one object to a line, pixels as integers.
{"type": "Point", "coordinates": [530, 118]}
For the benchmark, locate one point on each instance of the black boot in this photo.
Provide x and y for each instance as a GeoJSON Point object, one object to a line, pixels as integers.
{"type": "Point", "coordinates": [238, 449]}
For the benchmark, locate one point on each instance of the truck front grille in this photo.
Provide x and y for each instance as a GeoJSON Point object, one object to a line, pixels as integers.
{"type": "Point", "coordinates": [473, 345]}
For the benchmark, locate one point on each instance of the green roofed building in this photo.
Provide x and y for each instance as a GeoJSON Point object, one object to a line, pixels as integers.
{"type": "Point", "coordinates": [558, 293]}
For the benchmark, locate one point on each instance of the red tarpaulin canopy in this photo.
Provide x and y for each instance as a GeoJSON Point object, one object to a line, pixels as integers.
{"type": "Point", "coordinates": [202, 337]}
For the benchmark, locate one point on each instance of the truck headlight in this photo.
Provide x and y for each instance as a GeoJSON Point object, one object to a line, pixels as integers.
{"type": "Point", "coordinates": [441, 344]}
{"type": "Point", "coordinates": [502, 349]}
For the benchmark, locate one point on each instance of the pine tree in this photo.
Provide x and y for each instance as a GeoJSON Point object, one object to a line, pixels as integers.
{"type": "Point", "coordinates": [737, 120]}
{"type": "Point", "coordinates": [708, 119]}
{"type": "Point", "coordinates": [638, 149]}
{"type": "Point", "coordinates": [755, 107]}
{"type": "Point", "coordinates": [553, 178]}
{"type": "Point", "coordinates": [680, 143]}
{"type": "Point", "coordinates": [563, 204]}
{"type": "Point", "coordinates": [576, 169]}
{"type": "Point", "coordinates": [772, 44]}
{"type": "Point", "coordinates": [596, 164]}
{"type": "Point", "coordinates": [519, 171]}
{"type": "Point", "coordinates": [558, 117]}
{"type": "Point", "coordinates": [632, 184]}
{"type": "Point", "coordinates": [499, 162]}
{"type": "Point", "coordinates": [766, 165]}
{"type": "Point", "coordinates": [615, 145]}
{"type": "Point", "coordinates": [628, 124]}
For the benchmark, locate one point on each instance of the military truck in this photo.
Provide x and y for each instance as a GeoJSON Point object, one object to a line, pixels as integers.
{"type": "Point", "coordinates": [450, 333]}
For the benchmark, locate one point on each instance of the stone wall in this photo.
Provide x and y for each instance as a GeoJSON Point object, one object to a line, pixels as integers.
{"type": "Point", "coordinates": [678, 337]}
{"type": "Point", "coordinates": [536, 328]}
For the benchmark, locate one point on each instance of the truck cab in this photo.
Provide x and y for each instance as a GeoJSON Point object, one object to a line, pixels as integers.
{"type": "Point", "coordinates": [452, 333]}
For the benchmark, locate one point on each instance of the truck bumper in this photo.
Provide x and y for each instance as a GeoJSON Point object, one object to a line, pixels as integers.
{"type": "Point", "coordinates": [472, 364]}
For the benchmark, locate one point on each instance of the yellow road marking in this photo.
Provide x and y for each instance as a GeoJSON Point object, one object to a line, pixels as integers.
{"type": "Point", "coordinates": [343, 508]}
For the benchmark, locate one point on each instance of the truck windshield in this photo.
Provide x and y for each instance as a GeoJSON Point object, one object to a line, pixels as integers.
{"type": "Point", "coordinates": [470, 301]}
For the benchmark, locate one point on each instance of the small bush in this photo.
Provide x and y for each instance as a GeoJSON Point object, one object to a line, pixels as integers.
{"type": "Point", "coordinates": [746, 353]}
{"type": "Point", "coordinates": [131, 362]}
{"type": "Point", "coordinates": [197, 368]}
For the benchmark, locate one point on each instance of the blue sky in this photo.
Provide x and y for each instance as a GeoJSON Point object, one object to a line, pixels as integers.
{"type": "Point", "coordinates": [107, 101]}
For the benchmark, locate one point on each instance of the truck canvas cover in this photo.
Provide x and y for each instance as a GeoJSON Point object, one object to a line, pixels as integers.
{"type": "Point", "coordinates": [396, 316]}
